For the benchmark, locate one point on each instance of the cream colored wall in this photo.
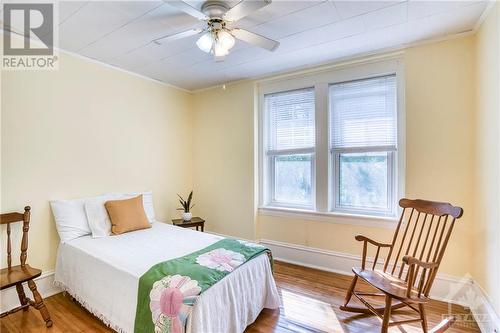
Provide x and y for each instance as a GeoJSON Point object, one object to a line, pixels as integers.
{"type": "Point", "coordinates": [223, 167]}
{"type": "Point", "coordinates": [439, 111]}
{"type": "Point", "coordinates": [84, 130]}
{"type": "Point", "coordinates": [486, 236]}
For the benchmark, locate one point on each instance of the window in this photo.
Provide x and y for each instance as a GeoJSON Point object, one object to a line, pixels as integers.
{"type": "Point", "coordinates": [290, 147]}
{"type": "Point", "coordinates": [363, 142]}
{"type": "Point", "coordinates": [329, 143]}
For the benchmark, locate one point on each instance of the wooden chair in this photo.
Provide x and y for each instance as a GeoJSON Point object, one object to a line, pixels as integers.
{"type": "Point", "coordinates": [407, 273]}
{"type": "Point", "coordinates": [17, 275]}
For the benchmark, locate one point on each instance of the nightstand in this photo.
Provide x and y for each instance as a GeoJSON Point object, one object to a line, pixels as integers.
{"type": "Point", "coordinates": [195, 222]}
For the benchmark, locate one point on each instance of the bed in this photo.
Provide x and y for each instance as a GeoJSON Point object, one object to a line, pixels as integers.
{"type": "Point", "coordinates": [103, 275]}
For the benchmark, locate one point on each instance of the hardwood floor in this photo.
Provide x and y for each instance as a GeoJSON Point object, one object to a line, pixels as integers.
{"type": "Point", "coordinates": [310, 301]}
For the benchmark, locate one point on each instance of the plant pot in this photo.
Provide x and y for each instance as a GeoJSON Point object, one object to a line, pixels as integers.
{"type": "Point", "coordinates": [187, 216]}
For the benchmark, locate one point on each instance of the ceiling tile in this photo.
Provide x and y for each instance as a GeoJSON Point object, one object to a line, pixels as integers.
{"type": "Point", "coordinates": [462, 19]}
{"type": "Point", "coordinates": [349, 8]}
{"type": "Point", "coordinates": [418, 9]}
{"type": "Point", "coordinates": [98, 18]}
{"type": "Point", "coordinates": [311, 17]}
{"type": "Point", "coordinates": [69, 8]}
{"type": "Point", "coordinates": [161, 21]}
{"type": "Point", "coordinates": [152, 52]}
{"type": "Point", "coordinates": [322, 34]}
{"type": "Point", "coordinates": [385, 17]}
{"type": "Point", "coordinates": [275, 10]}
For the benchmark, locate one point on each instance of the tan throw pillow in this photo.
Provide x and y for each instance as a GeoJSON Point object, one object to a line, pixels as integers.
{"type": "Point", "coordinates": [127, 215]}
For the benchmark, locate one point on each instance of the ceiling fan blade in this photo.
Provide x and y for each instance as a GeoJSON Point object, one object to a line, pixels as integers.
{"type": "Point", "coordinates": [244, 8]}
{"type": "Point", "coordinates": [186, 8]}
{"type": "Point", "coordinates": [255, 39]}
{"type": "Point", "coordinates": [183, 34]}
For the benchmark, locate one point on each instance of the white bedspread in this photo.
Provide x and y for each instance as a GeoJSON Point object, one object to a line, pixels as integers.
{"type": "Point", "coordinates": [103, 275]}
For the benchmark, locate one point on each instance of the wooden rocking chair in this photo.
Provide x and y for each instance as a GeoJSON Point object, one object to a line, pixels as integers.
{"type": "Point", "coordinates": [418, 245]}
{"type": "Point", "coordinates": [17, 275]}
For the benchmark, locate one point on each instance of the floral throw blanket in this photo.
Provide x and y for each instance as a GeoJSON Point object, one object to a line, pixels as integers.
{"type": "Point", "coordinates": [168, 290]}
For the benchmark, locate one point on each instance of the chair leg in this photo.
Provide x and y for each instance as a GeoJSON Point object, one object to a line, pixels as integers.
{"type": "Point", "coordinates": [21, 295]}
{"type": "Point", "coordinates": [423, 316]}
{"type": "Point", "coordinates": [350, 291]}
{"type": "Point", "coordinates": [387, 314]}
{"type": "Point", "coordinates": [39, 304]}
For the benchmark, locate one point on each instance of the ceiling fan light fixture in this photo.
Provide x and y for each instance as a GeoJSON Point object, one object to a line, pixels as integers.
{"type": "Point", "coordinates": [205, 42]}
{"type": "Point", "coordinates": [225, 39]}
{"type": "Point", "coordinates": [219, 35]}
{"type": "Point", "coordinates": [219, 50]}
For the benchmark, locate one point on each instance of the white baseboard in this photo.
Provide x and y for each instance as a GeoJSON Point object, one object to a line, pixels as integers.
{"type": "Point", "coordinates": [486, 316]}
{"type": "Point", "coordinates": [451, 289]}
{"type": "Point", "coordinates": [44, 284]}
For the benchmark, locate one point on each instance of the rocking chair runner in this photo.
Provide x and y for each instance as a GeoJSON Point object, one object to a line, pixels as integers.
{"type": "Point", "coordinates": [409, 269]}
{"type": "Point", "coordinates": [17, 275]}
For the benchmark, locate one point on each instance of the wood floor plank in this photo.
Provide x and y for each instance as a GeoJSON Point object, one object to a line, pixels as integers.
{"type": "Point", "coordinates": [310, 301]}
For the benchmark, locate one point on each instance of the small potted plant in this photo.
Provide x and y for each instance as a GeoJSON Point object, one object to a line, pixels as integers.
{"type": "Point", "coordinates": [186, 207]}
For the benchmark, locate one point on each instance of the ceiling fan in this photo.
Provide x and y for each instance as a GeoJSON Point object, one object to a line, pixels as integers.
{"type": "Point", "coordinates": [218, 37]}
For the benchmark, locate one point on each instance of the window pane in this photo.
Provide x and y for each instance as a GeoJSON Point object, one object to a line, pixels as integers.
{"type": "Point", "coordinates": [292, 179]}
{"type": "Point", "coordinates": [363, 180]}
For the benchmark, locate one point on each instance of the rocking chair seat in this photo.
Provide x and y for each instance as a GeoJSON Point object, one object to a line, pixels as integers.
{"type": "Point", "coordinates": [389, 284]}
{"type": "Point", "coordinates": [17, 274]}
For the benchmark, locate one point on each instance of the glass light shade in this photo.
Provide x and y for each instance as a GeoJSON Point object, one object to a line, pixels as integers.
{"type": "Point", "coordinates": [220, 50]}
{"type": "Point", "coordinates": [205, 42]}
{"type": "Point", "coordinates": [225, 39]}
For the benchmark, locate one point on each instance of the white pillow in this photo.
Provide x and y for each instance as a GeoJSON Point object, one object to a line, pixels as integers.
{"type": "Point", "coordinates": [97, 216]}
{"type": "Point", "coordinates": [71, 220]}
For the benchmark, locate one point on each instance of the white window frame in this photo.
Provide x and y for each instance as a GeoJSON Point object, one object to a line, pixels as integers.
{"type": "Point", "coordinates": [323, 178]}
{"type": "Point", "coordinates": [270, 156]}
{"type": "Point", "coordinates": [392, 167]}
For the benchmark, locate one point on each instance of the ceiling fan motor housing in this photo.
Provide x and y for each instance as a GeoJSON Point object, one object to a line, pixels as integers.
{"type": "Point", "coordinates": [214, 9]}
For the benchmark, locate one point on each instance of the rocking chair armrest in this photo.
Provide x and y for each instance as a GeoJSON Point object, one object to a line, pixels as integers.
{"type": "Point", "coordinates": [409, 260]}
{"type": "Point", "coordinates": [365, 241]}
{"type": "Point", "coordinates": [361, 238]}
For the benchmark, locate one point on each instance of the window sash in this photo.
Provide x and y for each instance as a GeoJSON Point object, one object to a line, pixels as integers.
{"type": "Point", "coordinates": [391, 182]}
{"type": "Point", "coordinates": [271, 188]}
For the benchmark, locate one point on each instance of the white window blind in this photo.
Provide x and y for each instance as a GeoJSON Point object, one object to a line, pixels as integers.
{"type": "Point", "coordinates": [291, 119]}
{"type": "Point", "coordinates": [363, 114]}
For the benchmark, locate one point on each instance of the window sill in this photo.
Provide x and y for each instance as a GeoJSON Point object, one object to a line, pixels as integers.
{"type": "Point", "coordinates": [337, 218]}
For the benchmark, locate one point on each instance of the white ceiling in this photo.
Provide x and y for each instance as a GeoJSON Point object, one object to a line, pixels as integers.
{"type": "Point", "coordinates": [310, 32]}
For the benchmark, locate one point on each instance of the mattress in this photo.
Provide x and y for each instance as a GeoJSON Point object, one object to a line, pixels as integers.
{"type": "Point", "coordinates": [103, 275]}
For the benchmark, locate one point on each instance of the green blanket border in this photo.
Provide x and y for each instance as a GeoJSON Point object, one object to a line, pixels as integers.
{"type": "Point", "coordinates": [187, 266]}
